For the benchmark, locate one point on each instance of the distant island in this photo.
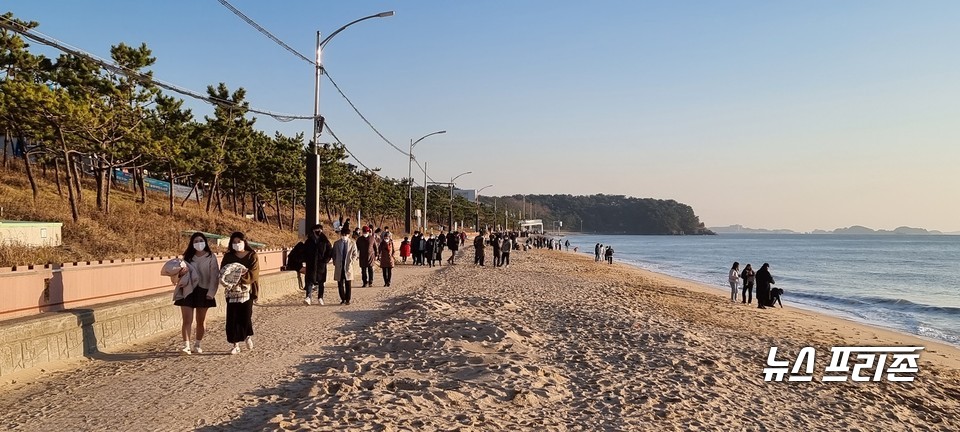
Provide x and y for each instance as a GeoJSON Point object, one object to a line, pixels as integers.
{"type": "Point", "coordinates": [853, 230]}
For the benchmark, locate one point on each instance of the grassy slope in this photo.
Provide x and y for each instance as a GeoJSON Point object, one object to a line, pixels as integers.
{"type": "Point", "coordinates": [131, 230]}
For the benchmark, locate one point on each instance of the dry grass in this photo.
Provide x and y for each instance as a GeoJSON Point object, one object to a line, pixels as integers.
{"type": "Point", "coordinates": [131, 230]}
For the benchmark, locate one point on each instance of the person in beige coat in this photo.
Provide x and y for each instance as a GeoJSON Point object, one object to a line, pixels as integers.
{"type": "Point", "coordinates": [344, 254]}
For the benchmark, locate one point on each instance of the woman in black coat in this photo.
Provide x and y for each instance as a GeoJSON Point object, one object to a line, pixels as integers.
{"type": "Point", "coordinates": [317, 254]}
{"type": "Point", "coordinates": [764, 280]}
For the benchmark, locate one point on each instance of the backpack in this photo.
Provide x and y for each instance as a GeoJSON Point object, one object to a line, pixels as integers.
{"type": "Point", "coordinates": [295, 257]}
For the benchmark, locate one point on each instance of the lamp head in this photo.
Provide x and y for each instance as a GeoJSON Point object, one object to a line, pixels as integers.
{"type": "Point", "coordinates": [385, 14]}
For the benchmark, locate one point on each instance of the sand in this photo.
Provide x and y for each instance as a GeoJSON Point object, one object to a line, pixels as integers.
{"type": "Point", "coordinates": [554, 342]}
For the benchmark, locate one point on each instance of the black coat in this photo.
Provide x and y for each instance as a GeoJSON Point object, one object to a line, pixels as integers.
{"type": "Point", "coordinates": [317, 254]}
{"type": "Point", "coordinates": [453, 242]}
{"type": "Point", "coordinates": [764, 279]}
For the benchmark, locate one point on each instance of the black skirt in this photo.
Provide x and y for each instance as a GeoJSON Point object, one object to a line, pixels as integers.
{"type": "Point", "coordinates": [197, 299]}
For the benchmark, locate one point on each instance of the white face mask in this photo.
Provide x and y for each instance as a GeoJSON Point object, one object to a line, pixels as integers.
{"type": "Point", "coordinates": [238, 246]}
{"type": "Point", "coordinates": [200, 245]}
{"type": "Point", "coordinates": [366, 234]}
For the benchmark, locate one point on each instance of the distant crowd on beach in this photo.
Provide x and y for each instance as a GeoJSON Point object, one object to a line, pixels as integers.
{"type": "Point", "coordinates": [743, 282]}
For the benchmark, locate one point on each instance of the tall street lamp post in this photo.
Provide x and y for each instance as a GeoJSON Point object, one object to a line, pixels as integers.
{"type": "Point", "coordinates": [409, 205]}
{"type": "Point", "coordinates": [477, 199]}
{"type": "Point", "coordinates": [313, 161]}
{"type": "Point", "coordinates": [450, 215]}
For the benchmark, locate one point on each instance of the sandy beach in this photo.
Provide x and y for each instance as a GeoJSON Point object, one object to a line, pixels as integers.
{"type": "Point", "coordinates": [554, 342]}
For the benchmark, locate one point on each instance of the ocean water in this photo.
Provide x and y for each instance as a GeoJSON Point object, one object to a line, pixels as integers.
{"type": "Point", "coordinates": [906, 283]}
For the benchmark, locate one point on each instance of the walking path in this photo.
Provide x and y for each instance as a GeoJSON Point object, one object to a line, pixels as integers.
{"type": "Point", "coordinates": [150, 385]}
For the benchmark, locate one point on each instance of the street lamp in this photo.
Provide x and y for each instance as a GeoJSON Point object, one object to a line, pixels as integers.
{"type": "Point", "coordinates": [477, 199]}
{"type": "Point", "coordinates": [450, 215]}
{"type": "Point", "coordinates": [409, 206]}
{"type": "Point", "coordinates": [313, 161]}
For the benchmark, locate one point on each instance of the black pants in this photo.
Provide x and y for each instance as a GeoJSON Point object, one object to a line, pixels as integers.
{"type": "Point", "coordinates": [505, 258]}
{"type": "Point", "coordinates": [597, 257]}
{"type": "Point", "coordinates": [478, 256]}
{"type": "Point", "coordinates": [366, 275]}
{"type": "Point", "coordinates": [387, 274]}
{"type": "Point", "coordinates": [239, 321]}
{"type": "Point", "coordinates": [496, 258]}
{"type": "Point", "coordinates": [417, 257]}
{"type": "Point", "coordinates": [453, 254]}
{"type": "Point", "coordinates": [748, 290]}
{"type": "Point", "coordinates": [343, 287]}
{"type": "Point", "coordinates": [763, 295]}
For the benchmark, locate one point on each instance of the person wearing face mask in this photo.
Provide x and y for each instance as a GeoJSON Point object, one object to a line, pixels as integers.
{"type": "Point", "coordinates": [194, 301]}
{"type": "Point", "coordinates": [367, 248]}
{"type": "Point", "coordinates": [240, 298]}
{"type": "Point", "coordinates": [429, 245]}
{"type": "Point", "coordinates": [317, 253]}
{"type": "Point", "coordinates": [344, 252]}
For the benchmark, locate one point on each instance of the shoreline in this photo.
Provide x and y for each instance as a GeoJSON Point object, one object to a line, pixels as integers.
{"type": "Point", "coordinates": [946, 354]}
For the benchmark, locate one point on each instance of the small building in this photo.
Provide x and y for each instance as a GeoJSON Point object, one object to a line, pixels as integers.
{"type": "Point", "coordinates": [533, 226]}
{"type": "Point", "coordinates": [28, 233]}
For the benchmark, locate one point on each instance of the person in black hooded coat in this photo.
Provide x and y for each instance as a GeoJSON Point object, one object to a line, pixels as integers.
{"type": "Point", "coordinates": [764, 280]}
{"type": "Point", "coordinates": [317, 253]}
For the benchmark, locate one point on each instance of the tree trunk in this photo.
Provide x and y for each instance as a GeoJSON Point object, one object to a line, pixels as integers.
{"type": "Point", "coordinates": [33, 182]}
{"type": "Point", "coordinates": [326, 205]}
{"type": "Point", "coordinates": [109, 187]}
{"type": "Point", "coordinates": [220, 193]}
{"type": "Point", "coordinates": [243, 204]}
{"type": "Point", "coordinates": [192, 190]}
{"type": "Point", "coordinates": [7, 141]}
{"type": "Point", "coordinates": [293, 211]}
{"type": "Point", "coordinates": [170, 172]}
{"type": "Point", "coordinates": [213, 188]}
{"type": "Point", "coordinates": [100, 171]}
{"type": "Point", "coordinates": [279, 218]}
{"type": "Point", "coordinates": [56, 175]}
{"type": "Point", "coordinates": [75, 170]}
{"type": "Point", "coordinates": [140, 185]}
{"type": "Point", "coordinates": [69, 169]}
{"type": "Point", "coordinates": [233, 197]}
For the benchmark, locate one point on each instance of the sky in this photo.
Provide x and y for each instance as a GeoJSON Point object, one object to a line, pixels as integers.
{"type": "Point", "coordinates": [798, 115]}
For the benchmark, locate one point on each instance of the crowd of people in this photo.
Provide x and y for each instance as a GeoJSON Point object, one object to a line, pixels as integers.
{"type": "Point", "coordinates": [603, 252]}
{"type": "Point", "coordinates": [744, 282]}
{"type": "Point", "coordinates": [198, 276]}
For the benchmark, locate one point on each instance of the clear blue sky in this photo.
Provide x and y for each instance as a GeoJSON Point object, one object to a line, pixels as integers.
{"type": "Point", "coordinates": [799, 115]}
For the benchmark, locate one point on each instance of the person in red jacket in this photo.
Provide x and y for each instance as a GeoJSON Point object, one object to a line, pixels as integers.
{"type": "Point", "coordinates": [405, 249]}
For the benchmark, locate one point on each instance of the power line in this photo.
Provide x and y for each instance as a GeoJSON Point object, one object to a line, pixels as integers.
{"type": "Point", "coordinates": [264, 31]}
{"type": "Point", "coordinates": [144, 78]}
{"type": "Point", "coordinates": [323, 70]}
{"type": "Point", "coordinates": [362, 116]}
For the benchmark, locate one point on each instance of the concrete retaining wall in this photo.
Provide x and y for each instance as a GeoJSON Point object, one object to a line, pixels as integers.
{"type": "Point", "coordinates": [31, 342]}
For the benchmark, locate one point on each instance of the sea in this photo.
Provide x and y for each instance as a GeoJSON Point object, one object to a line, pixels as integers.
{"type": "Point", "coordinates": [909, 283]}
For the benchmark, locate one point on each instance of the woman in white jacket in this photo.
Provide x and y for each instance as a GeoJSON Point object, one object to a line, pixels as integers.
{"type": "Point", "coordinates": [734, 279]}
{"type": "Point", "coordinates": [344, 253]}
{"type": "Point", "coordinates": [196, 297]}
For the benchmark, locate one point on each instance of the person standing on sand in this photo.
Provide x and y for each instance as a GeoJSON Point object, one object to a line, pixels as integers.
{"type": "Point", "coordinates": [453, 243]}
{"type": "Point", "coordinates": [734, 279]}
{"type": "Point", "coordinates": [596, 252]}
{"type": "Point", "coordinates": [438, 245]}
{"type": "Point", "coordinates": [344, 252]}
{"type": "Point", "coordinates": [201, 297]}
{"type": "Point", "coordinates": [505, 251]}
{"type": "Point", "coordinates": [240, 297]}
{"type": "Point", "coordinates": [749, 278]}
{"type": "Point", "coordinates": [478, 246]}
{"type": "Point", "coordinates": [609, 254]}
{"type": "Point", "coordinates": [317, 254]}
{"type": "Point", "coordinates": [405, 249]}
{"type": "Point", "coordinates": [430, 245]}
{"type": "Point", "coordinates": [764, 280]}
{"type": "Point", "coordinates": [495, 242]}
{"type": "Point", "coordinates": [385, 255]}
{"type": "Point", "coordinates": [367, 248]}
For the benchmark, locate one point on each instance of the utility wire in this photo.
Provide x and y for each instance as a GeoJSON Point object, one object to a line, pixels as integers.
{"type": "Point", "coordinates": [323, 70]}
{"type": "Point", "coordinates": [139, 76]}
{"type": "Point", "coordinates": [362, 116]}
{"type": "Point", "coordinates": [264, 31]}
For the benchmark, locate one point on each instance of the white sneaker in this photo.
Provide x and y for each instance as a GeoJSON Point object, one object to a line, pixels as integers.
{"type": "Point", "coordinates": [249, 342]}
{"type": "Point", "coordinates": [320, 301]}
{"type": "Point", "coordinates": [196, 348]}
{"type": "Point", "coordinates": [236, 349]}
{"type": "Point", "coordinates": [307, 301]}
{"type": "Point", "coordinates": [186, 348]}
